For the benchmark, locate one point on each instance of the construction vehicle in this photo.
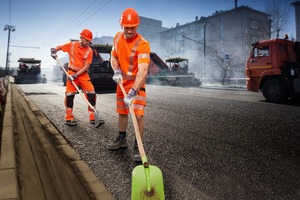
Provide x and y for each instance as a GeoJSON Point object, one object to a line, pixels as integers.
{"type": "Point", "coordinates": [100, 70]}
{"type": "Point", "coordinates": [29, 72]}
{"type": "Point", "coordinates": [174, 72]}
{"type": "Point", "coordinates": [273, 68]}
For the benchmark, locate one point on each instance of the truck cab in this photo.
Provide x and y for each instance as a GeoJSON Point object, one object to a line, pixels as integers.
{"type": "Point", "coordinates": [273, 68]}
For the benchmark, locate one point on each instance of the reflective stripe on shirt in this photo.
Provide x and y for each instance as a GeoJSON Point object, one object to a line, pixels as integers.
{"type": "Point", "coordinates": [72, 57]}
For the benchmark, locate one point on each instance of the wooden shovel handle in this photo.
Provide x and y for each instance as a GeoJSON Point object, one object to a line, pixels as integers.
{"type": "Point", "coordinates": [76, 87]}
{"type": "Point", "coordinates": [135, 124]}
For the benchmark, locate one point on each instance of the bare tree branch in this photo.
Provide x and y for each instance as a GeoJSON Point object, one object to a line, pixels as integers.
{"type": "Point", "coordinates": [226, 65]}
{"type": "Point", "coordinates": [278, 11]}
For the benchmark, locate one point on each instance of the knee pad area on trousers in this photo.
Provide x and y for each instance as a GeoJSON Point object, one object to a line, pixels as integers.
{"type": "Point", "coordinates": [70, 101]}
{"type": "Point", "coordinates": [92, 99]}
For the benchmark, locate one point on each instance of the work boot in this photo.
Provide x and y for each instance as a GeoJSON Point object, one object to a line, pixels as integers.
{"type": "Point", "coordinates": [118, 144]}
{"type": "Point", "coordinates": [136, 154]}
{"type": "Point", "coordinates": [71, 122]}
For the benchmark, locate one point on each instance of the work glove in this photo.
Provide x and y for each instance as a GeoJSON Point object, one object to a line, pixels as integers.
{"type": "Point", "coordinates": [72, 77]}
{"type": "Point", "coordinates": [53, 53]}
{"type": "Point", "coordinates": [129, 97]}
{"type": "Point", "coordinates": [117, 76]}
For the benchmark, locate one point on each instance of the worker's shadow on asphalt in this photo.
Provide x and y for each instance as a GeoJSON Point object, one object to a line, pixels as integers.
{"type": "Point", "coordinates": [123, 157]}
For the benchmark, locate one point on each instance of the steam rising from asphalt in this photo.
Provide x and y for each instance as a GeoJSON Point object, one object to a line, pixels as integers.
{"type": "Point", "coordinates": [208, 72]}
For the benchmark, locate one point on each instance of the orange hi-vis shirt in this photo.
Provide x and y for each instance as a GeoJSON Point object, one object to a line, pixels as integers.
{"type": "Point", "coordinates": [78, 55]}
{"type": "Point", "coordinates": [130, 53]}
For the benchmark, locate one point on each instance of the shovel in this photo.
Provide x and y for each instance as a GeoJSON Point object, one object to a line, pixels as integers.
{"type": "Point", "coordinates": [98, 121]}
{"type": "Point", "coordinates": [147, 180]}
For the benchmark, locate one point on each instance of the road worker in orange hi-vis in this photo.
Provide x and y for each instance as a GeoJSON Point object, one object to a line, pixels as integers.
{"type": "Point", "coordinates": [80, 55]}
{"type": "Point", "coordinates": [130, 59]}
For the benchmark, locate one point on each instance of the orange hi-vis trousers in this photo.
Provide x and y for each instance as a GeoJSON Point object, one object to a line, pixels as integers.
{"type": "Point", "coordinates": [87, 87]}
{"type": "Point", "coordinates": [138, 103]}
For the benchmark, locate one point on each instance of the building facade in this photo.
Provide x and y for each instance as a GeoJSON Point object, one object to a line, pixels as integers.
{"type": "Point", "coordinates": [216, 46]}
{"type": "Point", "coordinates": [296, 4]}
{"type": "Point", "coordinates": [217, 42]}
{"type": "Point", "coordinates": [150, 29]}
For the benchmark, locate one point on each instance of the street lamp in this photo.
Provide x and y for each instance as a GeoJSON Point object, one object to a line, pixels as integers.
{"type": "Point", "coordinates": [205, 23]}
{"type": "Point", "coordinates": [204, 50]}
{"type": "Point", "coordinates": [10, 29]}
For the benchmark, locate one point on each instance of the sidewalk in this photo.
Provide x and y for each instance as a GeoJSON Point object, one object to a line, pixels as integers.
{"type": "Point", "coordinates": [36, 161]}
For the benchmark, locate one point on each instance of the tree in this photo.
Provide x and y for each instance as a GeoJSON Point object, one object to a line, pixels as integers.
{"type": "Point", "coordinates": [278, 11]}
{"type": "Point", "coordinates": [227, 66]}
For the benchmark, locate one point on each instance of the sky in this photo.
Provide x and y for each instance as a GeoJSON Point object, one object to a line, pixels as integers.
{"type": "Point", "coordinates": [42, 24]}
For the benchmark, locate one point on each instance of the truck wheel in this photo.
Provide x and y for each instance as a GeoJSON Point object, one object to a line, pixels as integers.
{"type": "Point", "coordinates": [275, 91]}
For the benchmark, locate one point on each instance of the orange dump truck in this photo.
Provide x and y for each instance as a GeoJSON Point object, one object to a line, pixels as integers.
{"type": "Point", "coordinates": [273, 68]}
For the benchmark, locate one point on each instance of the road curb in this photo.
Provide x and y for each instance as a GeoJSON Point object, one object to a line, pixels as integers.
{"type": "Point", "coordinates": [9, 188]}
{"type": "Point", "coordinates": [8, 169]}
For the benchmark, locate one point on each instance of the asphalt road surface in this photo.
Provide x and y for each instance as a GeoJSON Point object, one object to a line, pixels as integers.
{"type": "Point", "coordinates": [208, 143]}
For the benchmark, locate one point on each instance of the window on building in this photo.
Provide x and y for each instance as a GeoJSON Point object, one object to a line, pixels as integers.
{"type": "Point", "coordinates": [254, 25]}
{"type": "Point", "coordinates": [254, 39]}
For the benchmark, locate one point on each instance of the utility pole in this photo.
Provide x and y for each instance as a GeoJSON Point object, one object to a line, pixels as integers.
{"type": "Point", "coordinates": [204, 49]}
{"type": "Point", "coordinates": [10, 29]}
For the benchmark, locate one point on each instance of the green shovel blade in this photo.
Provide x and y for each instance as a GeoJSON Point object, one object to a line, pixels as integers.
{"type": "Point", "coordinates": [147, 183]}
